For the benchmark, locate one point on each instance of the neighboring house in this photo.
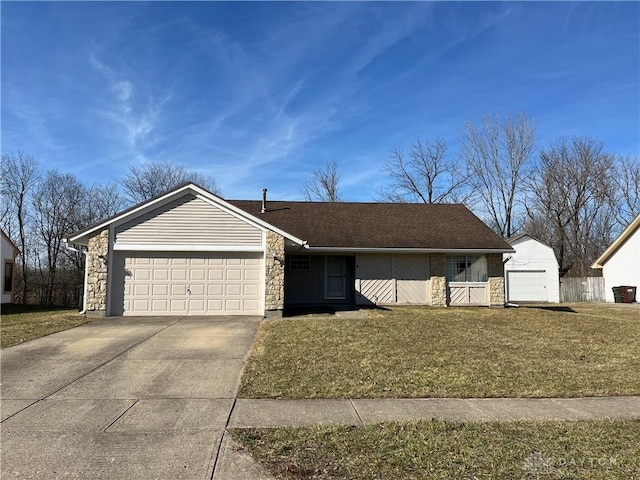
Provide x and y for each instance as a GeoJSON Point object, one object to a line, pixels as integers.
{"type": "Point", "coordinates": [620, 263]}
{"type": "Point", "coordinates": [531, 273]}
{"type": "Point", "coordinates": [190, 252]}
{"type": "Point", "coordinates": [9, 253]}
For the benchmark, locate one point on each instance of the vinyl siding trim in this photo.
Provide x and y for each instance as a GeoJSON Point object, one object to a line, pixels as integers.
{"type": "Point", "coordinates": [188, 248]}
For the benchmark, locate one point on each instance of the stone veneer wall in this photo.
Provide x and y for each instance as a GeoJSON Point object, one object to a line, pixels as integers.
{"type": "Point", "coordinates": [438, 281]}
{"type": "Point", "coordinates": [97, 275]}
{"type": "Point", "coordinates": [495, 269]}
{"type": "Point", "coordinates": [274, 273]}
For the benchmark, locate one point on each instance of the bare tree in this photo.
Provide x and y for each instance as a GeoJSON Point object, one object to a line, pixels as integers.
{"type": "Point", "coordinates": [20, 174]}
{"type": "Point", "coordinates": [57, 207]}
{"type": "Point", "coordinates": [625, 204]}
{"type": "Point", "coordinates": [569, 202]}
{"type": "Point", "coordinates": [323, 186]}
{"type": "Point", "coordinates": [498, 154]}
{"type": "Point", "coordinates": [153, 179]}
{"type": "Point", "coordinates": [103, 201]}
{"type": "Point", "coordinates": [425, 175]}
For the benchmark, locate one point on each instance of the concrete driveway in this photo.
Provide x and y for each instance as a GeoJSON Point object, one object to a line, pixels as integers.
{"type": "Point", "coordinates": [122, 398]}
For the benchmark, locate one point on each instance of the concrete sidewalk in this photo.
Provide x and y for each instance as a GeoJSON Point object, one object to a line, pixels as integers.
{"type": "Point", "coordinates": [272, 413]}
{"type": "Point", "coordinates": [234, 463]}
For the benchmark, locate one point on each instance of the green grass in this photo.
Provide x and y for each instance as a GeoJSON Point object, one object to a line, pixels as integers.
{"type": "Point", "coordinates": [579, 350]}
{"type": "Point", "coordinates": [21, 323]}
{"type": "Point", "coordinates": [447, 450]}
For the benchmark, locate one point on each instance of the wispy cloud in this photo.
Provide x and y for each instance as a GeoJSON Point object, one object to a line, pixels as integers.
{"type": "Point", "coordinates": [137, 122]}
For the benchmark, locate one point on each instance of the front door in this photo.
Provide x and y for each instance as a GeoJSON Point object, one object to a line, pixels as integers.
{"type": "Point", "coordinates": [335, 282]}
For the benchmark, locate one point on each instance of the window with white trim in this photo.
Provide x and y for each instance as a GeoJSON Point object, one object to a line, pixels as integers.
{"type": "Point", "coordinates": [467, 268]}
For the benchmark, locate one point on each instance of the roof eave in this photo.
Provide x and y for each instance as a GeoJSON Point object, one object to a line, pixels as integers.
{"type": "Point", "coordinates": [312, 249]}
{"type": "Point", "coordinates": [617, 243]}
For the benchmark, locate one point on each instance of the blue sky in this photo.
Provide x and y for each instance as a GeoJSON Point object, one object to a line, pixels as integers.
{"type": "Point", "coordinates": [261, 94]}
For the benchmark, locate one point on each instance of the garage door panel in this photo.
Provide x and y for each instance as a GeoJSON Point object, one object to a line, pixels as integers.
{"type": "Point", "coordinates": [251, 305]}
{"type": "Point", "coordinates": [165, 283]}
{"type": "Point", "coordinates": [178, 273]}
{"type": "Point", "coordinates": [234, 274]}
{"type": "Point", "coordinates": [232, 305]}
{"type": "Point", "coordinates": [527, 286]}
{"type": "Point", "coordinates": [216, 275]}
{"type": "Point", "coordinates": [142, 274]}
{"type": "Point", "coordinates": [234, 289]}
{"type": "Point", "coordinates": [197, 274]}
{"type": "Point", "coordinates": [141, 290]}
{"type": "Point", "coordinates": [214, 305]}
{"type": "Point", "coordinates": [160, 274]}
{"type": "Point", "coordinates": [160, 305]}
{"type": "Point", "coordinates": [160, 290]}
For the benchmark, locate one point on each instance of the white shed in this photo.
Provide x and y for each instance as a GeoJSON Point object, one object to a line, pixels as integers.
{"type": "Point", "coordinates": [620, 263]}
{"type": "Point", "coordinates": [531, 273]}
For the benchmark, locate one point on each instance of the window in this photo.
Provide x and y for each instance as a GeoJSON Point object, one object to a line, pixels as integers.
{"type": "Point", "coordinates": [466, 268]}
{"type": "Point", "coordinates": [300, 262]}
{"type": "Point", "coordinates": [8, 277]}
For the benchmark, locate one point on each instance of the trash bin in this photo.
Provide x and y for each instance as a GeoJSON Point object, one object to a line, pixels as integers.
{"type": "Point", "coordinates": [627, 294]}
{"type": "Point", "coordinates": [617, 294]}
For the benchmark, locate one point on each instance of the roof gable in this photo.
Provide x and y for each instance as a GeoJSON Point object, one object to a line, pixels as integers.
{"type": "Point", "coordinates": [631, 229]}
{"type": "Point", "coordinates": [143, 208]}
{"type": "Point", "coordinates": [6, 238]}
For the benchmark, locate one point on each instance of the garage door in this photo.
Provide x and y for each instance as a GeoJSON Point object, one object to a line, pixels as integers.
{"type": "Point", "coordinates": [527, 286]}
{"type": "Point", "coordinates": [192, 284]}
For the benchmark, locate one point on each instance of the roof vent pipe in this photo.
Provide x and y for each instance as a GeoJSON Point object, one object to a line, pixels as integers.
{"type": "Point", "coordinates": [264, 201]}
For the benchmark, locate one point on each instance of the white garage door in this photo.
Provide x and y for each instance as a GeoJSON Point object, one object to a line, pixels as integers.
{"type": "Point", "coordinates": [192, 284]}
{"type": "Point", "coordinates": [527, 286]}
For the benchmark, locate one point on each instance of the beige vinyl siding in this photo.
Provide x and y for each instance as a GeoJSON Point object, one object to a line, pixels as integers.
{"type": "Point", "coordinates": [392, 278]}
{"type": "Point", "coordinates": [190, 221]}
{"type": "Point", "coordinates": [374, 282]}
{"type": "Point", "coordinates": [411, 273]}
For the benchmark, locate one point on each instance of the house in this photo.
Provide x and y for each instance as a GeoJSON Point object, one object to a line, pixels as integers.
{"type": "Point", "coordinates": [9, 254]}
{"type": "Point", "coordinates": [531, 272]}
{"type": "Point", "coordinates": [190, 252]}
{"type": "Point", "coordinates": [620, 263]}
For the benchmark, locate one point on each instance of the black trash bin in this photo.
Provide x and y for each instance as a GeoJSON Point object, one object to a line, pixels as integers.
{"type": "Point", "coordinates": [617, 294]}
{"type": "Point", "coordinates": [627, 294]}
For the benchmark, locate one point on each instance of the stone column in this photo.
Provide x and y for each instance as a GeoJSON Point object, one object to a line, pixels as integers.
{"type": "Point", "coordinates": [274, 274]}
{"type": "Point", "coordinates": [97, 275]}
{"type": "Point", "coordinates": [495, 269]}
{"type": "Point", "coordinates": [438, 281]}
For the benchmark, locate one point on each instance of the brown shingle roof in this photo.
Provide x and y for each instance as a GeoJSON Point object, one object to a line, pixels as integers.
{"type": "Point", "coordinates": [378, 225]}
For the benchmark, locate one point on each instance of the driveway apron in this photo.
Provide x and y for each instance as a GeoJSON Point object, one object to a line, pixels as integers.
{"type": "Point", "coordinates": [122, 398]}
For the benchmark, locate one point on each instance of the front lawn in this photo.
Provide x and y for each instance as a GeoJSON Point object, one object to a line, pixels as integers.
{"type": "Point", "coordinates": [446, 450]}
{"type": "Point", "coordinates": [578, 350]}
{"type": "Point", "coordinates": [21, 323]}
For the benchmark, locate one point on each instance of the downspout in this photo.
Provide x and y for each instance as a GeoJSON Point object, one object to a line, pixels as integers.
{"type": "Point", "coordinates": [509, 304]}
{"type": "Point", "coordinates": [86, 273]}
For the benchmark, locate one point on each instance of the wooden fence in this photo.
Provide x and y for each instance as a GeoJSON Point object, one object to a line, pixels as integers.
{"type": "Point", "coordinates": [582, 289]}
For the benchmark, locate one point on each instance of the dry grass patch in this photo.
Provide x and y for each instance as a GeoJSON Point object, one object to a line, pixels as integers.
{"type": "Point", "coordinates": [21, 323]}
{"type": "Point", "coordinates": [446, 450]}
{"type": "Point", "coordinates": [454, 352]}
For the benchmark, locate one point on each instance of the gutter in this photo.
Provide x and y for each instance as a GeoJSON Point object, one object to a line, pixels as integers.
{"type": "Point", "coordinates": [406, 250]}
{"type": "Point", "coordinates": [86, 272]}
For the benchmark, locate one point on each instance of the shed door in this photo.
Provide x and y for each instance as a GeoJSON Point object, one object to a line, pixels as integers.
{"type": "Point", "coordinates": [527, 286]}
{"type": "Point", "coordinates": [189, 284]}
